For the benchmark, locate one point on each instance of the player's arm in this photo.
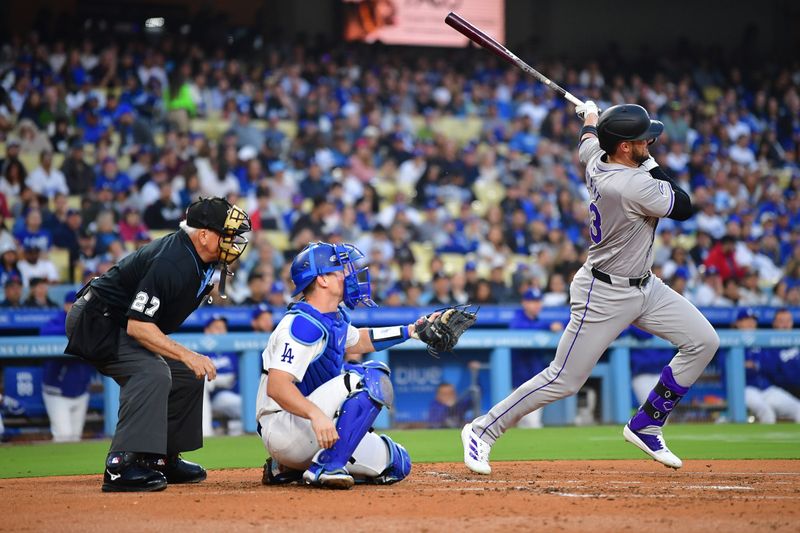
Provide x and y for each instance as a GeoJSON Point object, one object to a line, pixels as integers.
{"type": "Point", "coordinates": [159, 285]}
{"type": "Point", "coordinates": [682, 208]}
{"type": "Point", "coordinates": [281, 388]}
{"type": "Point", "coordinates": [151, 337]}
{"type": "Point", "coordinates": [590, 114]}
{"type": "Point", "coordinates": [377, 339]}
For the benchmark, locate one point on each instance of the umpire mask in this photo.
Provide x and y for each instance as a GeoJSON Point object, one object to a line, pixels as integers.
{"type": "Point", "coordinates": [226, 219]}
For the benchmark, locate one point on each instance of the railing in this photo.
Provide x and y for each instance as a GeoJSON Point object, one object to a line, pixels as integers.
{"type": "Point", "coordinates": [490, 316]}
{"type": "Point", "coordinates": [615, 374]}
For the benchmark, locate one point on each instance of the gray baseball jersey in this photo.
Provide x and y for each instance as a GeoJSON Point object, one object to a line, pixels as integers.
{"type": "Point", "coordinates": [625, 205]}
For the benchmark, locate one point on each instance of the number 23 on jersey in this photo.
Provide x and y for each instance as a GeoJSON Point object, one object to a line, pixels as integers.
{"type": "Point", "coordinates": [594, 224]}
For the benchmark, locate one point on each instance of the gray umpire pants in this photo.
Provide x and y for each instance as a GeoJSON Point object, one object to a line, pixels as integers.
{"type": "Point", "coordinates": [160, 401]}
{"type": "Point", "coordinates": [599, 312]}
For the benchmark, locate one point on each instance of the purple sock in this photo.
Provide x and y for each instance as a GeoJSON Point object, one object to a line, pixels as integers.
{"type": "Point", "coordinates": [660, 402]}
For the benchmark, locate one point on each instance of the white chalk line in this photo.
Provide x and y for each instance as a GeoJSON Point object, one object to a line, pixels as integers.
{"type": "Point", "coordinates": [599, 495]}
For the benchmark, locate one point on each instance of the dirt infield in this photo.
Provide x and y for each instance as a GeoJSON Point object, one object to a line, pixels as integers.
{"type": "Point", "coordinates": [720, 496]}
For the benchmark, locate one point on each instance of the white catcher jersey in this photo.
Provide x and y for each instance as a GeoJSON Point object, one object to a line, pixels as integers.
{"type": "Point", "coordinates": [284, 352]}
{"type": "Point", "coordinates": [624, 207]}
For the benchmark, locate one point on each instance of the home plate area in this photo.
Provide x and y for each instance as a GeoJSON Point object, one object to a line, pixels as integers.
{"type": "Point", "coordinates": [727, 496]}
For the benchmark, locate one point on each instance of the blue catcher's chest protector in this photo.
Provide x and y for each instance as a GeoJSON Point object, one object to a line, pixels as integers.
{"type": "Point", "coordinates": [333, 326]}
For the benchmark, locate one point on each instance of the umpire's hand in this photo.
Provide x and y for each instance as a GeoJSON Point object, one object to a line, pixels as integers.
{"type": "Point", "coordinates": [201, 365]}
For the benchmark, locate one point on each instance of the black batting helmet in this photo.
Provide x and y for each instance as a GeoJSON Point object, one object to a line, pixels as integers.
{"type": "Point", "coordinates": [626, 122]}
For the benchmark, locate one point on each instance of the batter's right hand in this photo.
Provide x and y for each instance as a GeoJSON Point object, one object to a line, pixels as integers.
{"type": "Point", "coordinates": [324, 430]}
{"type": "Point", "coordinates": [587, 108]}
{"type": "Point", "coordinates": [201, 366]}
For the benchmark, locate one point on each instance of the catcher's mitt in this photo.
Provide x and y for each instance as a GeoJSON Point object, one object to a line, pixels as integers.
{"type": "Point", "coordinates": [441, 333]}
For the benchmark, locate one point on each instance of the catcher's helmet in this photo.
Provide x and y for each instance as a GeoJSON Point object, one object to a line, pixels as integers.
{"type": "Point", "coordinates": [626, 122]}
{"type": "Point", "coordinates": [226, 219]}
{"type": "Point", "coordinates": [320, 258]}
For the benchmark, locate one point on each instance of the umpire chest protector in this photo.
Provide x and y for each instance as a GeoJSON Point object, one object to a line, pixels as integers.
{"type": "Point", "coordinates": [308, 327]}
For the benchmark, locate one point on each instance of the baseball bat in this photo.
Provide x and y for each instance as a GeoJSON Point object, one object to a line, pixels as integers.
{"type": "Point", "coordinates": [475, 35]}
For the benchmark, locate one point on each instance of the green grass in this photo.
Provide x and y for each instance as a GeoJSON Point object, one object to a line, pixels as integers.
{"type": "Point", "coordinates": [689, 441]}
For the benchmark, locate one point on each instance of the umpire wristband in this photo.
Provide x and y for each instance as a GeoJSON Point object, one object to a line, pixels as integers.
{"type": "Point", "coordinates": [385, 338]}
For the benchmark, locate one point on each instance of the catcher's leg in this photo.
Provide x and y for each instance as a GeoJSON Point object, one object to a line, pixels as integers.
{"type": "Point", "coordinates": [290, 439]}
{"type": "Point", "coordinates": [371, 389]}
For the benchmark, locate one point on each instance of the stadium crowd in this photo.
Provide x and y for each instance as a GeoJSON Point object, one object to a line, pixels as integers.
{"type": "Point", "coordinates": [457, 176]}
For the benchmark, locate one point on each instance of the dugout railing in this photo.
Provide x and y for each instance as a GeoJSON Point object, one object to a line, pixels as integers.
{"type": "Point", "coordinates": [614, 373]}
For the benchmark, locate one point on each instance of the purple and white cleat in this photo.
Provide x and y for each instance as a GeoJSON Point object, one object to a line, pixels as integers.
{"type": "Point", "coordinates": [650, 440]}
{"type": "Point", "coordinates": [476, 451]}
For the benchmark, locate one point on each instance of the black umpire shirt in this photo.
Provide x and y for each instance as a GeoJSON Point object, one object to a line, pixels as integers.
{"type": "Point", "coordinates": [162, 282]}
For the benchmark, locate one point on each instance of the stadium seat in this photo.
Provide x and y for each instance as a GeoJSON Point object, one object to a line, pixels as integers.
{"type": "Point", "coordinates": [462, 130]}
{"type": "Point", "coordinates": [423, 253]}
{"type": "Point", "coordinates": [453, 263]}
{"type": "Point", "coordinates": [289, 127]}
{"type": "Point", "coordinates": [60, 257]}
{"type": "Point", "coordinates": [278, 239]}
{"type": "Point", "coordinates": [212, 129]}
{"type": "Point", "coordinates": [385, 188]}
{"type": "Point", "coordinates": [30, 161]}
{"type": "Point", "coordinates": [489, 193]}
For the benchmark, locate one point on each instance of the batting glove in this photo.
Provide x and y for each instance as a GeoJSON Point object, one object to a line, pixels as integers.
{"type": "Point", "coordinates": [649, 164]}
{"type": "Point", "coordinates": [587, 108]}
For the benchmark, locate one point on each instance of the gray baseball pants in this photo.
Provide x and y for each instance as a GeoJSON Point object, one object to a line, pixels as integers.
{"type": "Point", "coordinates": [160, 401]}
{"type": "Point", "coordinates": [599, 313]}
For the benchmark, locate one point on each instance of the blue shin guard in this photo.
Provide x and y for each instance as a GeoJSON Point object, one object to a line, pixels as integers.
{"type": "Point", "coordinates": [328, 468]}
{"type": "Point", "coordinates": [399, 464]}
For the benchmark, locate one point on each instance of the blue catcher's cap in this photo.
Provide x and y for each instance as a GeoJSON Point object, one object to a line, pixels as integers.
{"type": "Point", "coordinates": [532, 294]}
{"type": "Point", "coordinates": [319, 258]}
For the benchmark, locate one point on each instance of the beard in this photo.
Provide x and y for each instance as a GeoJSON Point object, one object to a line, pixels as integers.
{"type": "Point", "coordinates": [640, 157]}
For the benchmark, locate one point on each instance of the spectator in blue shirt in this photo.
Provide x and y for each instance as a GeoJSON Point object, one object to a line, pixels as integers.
{"type": "Point", "coordinates": [527, 363]}
{"type": "Point", "coordinates": [111, 176]}
{"type": "Point", "coordinates": [448, 409]}
{"type": "Point", "coordinates": [222, 395]}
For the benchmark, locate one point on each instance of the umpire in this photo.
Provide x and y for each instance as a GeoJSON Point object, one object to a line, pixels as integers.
{"type": "Point", "coordinates": [120, 323]}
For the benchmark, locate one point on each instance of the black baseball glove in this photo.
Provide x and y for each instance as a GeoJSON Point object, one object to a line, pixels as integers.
{"type": "Point", "coordinates": [441, 331]}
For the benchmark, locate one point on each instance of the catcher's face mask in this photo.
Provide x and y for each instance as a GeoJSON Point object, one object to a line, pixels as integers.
{"type": "Point", "coordinates": [357, 287]}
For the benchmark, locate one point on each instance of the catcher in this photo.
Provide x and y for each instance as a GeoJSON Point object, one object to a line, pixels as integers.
{"type": "Point", "coordinates": [315, 410]}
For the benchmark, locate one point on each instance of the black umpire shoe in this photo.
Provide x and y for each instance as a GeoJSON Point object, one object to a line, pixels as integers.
{"type": "Point", "coordinates": [129, 472]}
{"type": "Point", "coordinates": [178, 470]}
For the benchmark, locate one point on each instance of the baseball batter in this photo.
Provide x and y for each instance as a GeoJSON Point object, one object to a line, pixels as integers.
{"type": "Point", "coordinates": [314, 410]}
{"type": "Point", "coordinates": [615, 288]}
